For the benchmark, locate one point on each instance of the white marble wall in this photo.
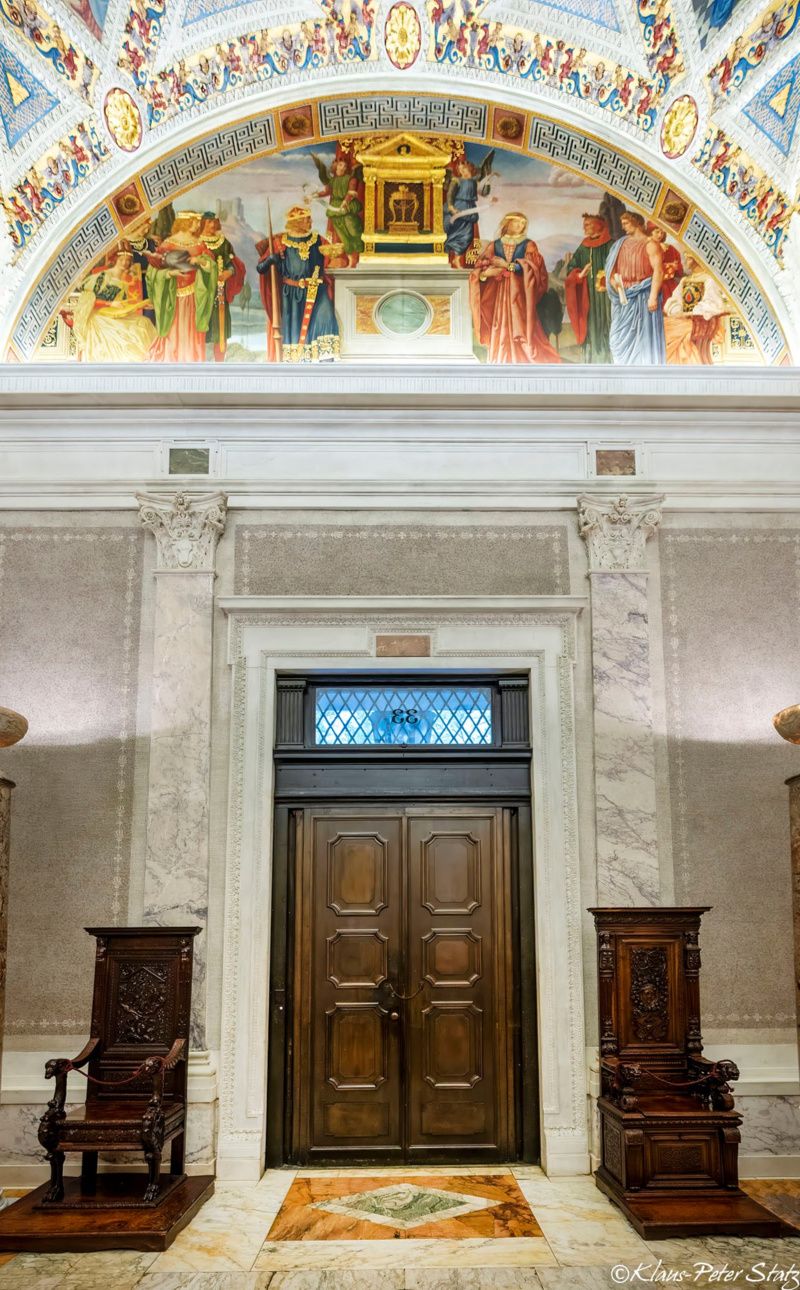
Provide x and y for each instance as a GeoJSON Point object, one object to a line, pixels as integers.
{"type": "Point", "coordinates": [625, 780]}
{"type": "Point", "coordinates": [615, 532]}
{"type": "Point", "coordinates": [771, 1126]}
{"type": "Point", "coordinates": [186, 528]}
{"type": "Point", "coordinates": [176, 865]}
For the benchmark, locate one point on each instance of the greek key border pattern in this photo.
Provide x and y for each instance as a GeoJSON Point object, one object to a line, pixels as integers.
{"type": "Point", "coordinates": [403, 112]}
{"type": "Point", "coordinates": [87, 242]}
{"type": "Point", "coordinates": [594, 160]}
{"type": "Point", "coordinates": [714, 250]}
{"type": "Point", "coordinates": [227, 146]}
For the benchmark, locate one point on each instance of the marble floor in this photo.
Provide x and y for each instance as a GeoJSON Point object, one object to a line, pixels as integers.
{"type": "Point", "coordinates": [508, 1228]}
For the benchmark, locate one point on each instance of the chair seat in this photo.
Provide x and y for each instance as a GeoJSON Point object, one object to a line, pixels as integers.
{"type": "Point", "coordinates": [670, 1106]}
{"type": "Point", "coordinates": [118, 1125]}
{"type": "Point", "coordinates": [116, 1113]}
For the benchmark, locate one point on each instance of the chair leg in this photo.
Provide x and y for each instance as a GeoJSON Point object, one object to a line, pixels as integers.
{"type": "Point", "coordinates": [89, 1173]}
{"type": "Point", "coordinates": [56, 1189]}
{"type": "Point", "coordinates": [177, 1153]}
{"type": "Point", "coordinates": [153, 1159]}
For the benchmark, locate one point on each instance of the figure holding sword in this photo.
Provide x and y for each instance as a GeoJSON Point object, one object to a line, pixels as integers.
{"type": "Point", "coordinates": [297, 294]}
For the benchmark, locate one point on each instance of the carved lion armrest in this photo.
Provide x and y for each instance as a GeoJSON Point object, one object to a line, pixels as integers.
{"type": "Point", "coordinates": [717, 1077]}
{"type": "Point", "coordinates": [157, 1067]}
{"type": "Point", "coordinates": [618, 1080]}
{"type": "Point", "coordinates": [58, 1068]}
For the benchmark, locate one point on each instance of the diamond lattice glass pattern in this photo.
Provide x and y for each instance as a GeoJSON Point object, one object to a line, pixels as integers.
{"type": "Point", "coordinates": [428, 715]}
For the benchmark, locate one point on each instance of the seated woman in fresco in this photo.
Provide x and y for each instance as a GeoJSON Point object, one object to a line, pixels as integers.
{"type": "Point", "coordinates": [694, 317]}
{"type": "Point", "coordinates": [508, 281]}
{"type": "Point", "coordinates": [108, 318]}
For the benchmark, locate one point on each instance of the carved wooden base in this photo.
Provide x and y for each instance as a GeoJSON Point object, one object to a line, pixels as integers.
{"type": "Point", "coordinates": [694, 1213]}
{"type": "Point", "coordinates": [120, 1191]}
{"type": "Point", "coordinates": [30, 1226]}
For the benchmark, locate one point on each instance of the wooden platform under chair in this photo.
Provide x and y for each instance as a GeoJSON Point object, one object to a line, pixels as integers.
{"type": "Point", "coordinates": [112, 1223]}
{"type": "Point", "coordinates": [669, 1129]}
{"type": "Point", "coordinates": [135, 1066]}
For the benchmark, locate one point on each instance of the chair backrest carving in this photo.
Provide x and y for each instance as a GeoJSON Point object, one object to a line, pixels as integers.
{"type": "Point", "coordinates": [648, 969]}
{"type": "Point", "coordinates": [141, 1004]}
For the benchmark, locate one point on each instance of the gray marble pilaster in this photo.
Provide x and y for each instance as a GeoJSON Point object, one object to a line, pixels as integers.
{"type": "Point", "coordinates": [615, 532]}
{"type": "Point", "coordinates": [187, 529]}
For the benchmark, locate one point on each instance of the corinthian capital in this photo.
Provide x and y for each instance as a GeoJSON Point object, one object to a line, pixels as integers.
{"type": "Point", "coordinates": [615, 530]}
{"type": "Point", "coordinates": [186, 528]}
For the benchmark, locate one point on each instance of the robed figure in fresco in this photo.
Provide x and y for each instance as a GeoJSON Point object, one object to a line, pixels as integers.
{"type": "Point", "coordinates": [230, 280]}
{"type": "Point", "coordinates": [508, 281]}
{"type": "Point", "coordinates": [587, 300]}
{"type": "Point", "coordinates": [694, 317]}
{"type": "Point", "coordinates": [634, 273]}
{"type": "Point", "coordinates": [308, 327]}
{"type": "Point", "coordinates": [107, 318]}
{"type": "Point", "coordinates": [461, 206]}
{"type": "Point", "coordinates": [345, 208]}
{"type": "Point", "coordinates": [182, 286]}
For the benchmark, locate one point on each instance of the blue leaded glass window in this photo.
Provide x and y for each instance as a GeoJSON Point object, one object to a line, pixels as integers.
{"type": "Point", "coordinates": [434, 715]}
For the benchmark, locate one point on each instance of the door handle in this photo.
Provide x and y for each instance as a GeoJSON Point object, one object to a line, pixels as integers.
{"type": "Point", "coordinates": [394, 1016]}
{"type": "Point", "coordinates": [404, 998]}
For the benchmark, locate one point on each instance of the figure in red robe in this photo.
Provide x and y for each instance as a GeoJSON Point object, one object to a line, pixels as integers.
{"type": "Point", "coordinates": [673, 264]}
{"type": "Point", "coordinates": [508, 281]}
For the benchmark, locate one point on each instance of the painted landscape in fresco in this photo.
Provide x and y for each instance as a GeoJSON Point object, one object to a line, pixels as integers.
{"type": "Point", "coordinates": [289, 258]}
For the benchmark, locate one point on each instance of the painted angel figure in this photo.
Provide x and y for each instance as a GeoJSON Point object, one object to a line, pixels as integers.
{"type": "Point", "coordinates": [344, 209]}
{"type": "Point", "coordinates": [461, 211]}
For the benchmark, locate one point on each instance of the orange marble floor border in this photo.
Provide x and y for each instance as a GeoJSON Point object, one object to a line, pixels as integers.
{"type": "Point", "coordinates": [509, 1215]}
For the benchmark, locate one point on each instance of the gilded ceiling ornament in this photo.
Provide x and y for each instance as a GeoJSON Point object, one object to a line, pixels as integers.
{"type": "Point", "coordinates": [678, 126]}
{"type": "Point", "coordinates": [402, 35]}
{"type": "Point", "coordinates": [123, 119]}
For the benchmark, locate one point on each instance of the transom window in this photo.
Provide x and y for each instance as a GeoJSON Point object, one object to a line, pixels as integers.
{"type": "Point", "coordinates": [443, 715]}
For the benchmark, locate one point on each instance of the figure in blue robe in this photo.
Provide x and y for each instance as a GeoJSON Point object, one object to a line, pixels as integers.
{"type": "Point", "coordinates": [307, 336]}
{"type": "Point", "coordinates": [462, 195]}
{"type": "Point", "coordinates": [636, 335]}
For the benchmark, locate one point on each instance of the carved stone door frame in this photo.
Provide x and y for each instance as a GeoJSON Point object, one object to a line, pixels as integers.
{"type": "Point", "coordinates": [270, 635]}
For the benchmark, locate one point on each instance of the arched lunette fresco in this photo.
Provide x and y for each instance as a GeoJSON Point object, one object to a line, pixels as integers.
{"type": "Point", "coordinates": [474, 127]}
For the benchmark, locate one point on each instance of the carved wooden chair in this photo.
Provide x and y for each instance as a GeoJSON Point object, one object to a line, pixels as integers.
{"type": "Point", "coordinates": [135, 1061]}
{"type": "Point", "coordinates": [669, 1131]}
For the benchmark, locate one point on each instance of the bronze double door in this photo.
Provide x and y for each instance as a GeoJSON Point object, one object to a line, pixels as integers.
{"type": "Point", "coordinates": [403, 965]}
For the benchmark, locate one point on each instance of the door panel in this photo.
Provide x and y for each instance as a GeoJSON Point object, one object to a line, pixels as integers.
{"type": "Point", "coordinates": [403, 990]}
{"type": "Point", "coordinates": [457, 1027]}
{"type": "Point", "coordinates": [347, 1042]}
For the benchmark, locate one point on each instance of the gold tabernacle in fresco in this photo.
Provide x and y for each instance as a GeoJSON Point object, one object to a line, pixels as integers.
{"type": "Point", "coordinates": [404, 176]}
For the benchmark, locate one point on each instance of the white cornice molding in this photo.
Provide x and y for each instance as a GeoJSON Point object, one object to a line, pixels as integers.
{"type": "Point", "coordinates": [67, 386]}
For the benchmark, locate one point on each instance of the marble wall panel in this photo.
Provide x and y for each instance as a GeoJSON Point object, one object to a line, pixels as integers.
{"type": "Point", "coordinates": [401, 559]}
{"type": "Point", "coordinates": [730, 601]}
{"type": "Point", "coordinates": [69, 646]}
{"type": "Point", "coordinates": [771, 1125]}
{"type": "Point", "coordinates": [627, 842]}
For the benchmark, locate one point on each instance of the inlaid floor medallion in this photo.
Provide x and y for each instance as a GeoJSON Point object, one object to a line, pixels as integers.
{"type": "Point", "coordinates": [405, 1206]}
{"type": "Point", "coordinates": [363, 1208]}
